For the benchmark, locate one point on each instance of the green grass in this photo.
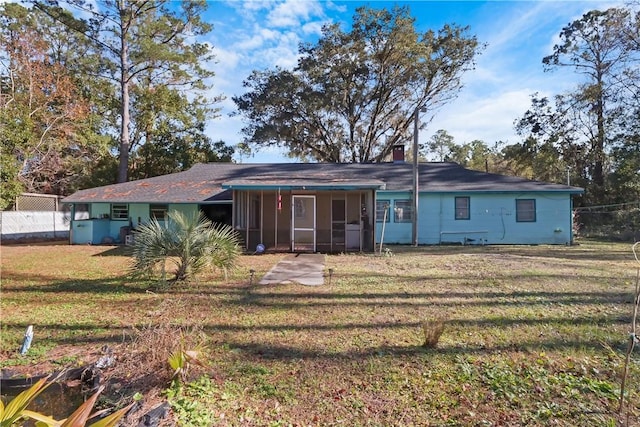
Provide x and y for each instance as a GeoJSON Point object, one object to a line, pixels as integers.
{"type": "Point", "coordinates": [533, 334]}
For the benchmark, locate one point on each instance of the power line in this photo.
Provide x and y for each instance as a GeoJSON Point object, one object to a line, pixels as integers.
{"type": "Point", "coordinates": [607, 208]}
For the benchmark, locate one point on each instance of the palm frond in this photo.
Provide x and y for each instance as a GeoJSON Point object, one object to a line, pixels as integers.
{"type": "Point", "coordinates": [189, 241]}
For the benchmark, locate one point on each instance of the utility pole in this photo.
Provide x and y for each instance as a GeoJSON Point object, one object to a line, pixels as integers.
{"type": "Point", "coordinates": [414, 217]}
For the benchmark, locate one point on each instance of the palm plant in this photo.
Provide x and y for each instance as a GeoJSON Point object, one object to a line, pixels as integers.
{"type": "Point", "coordinates": [191, 242]}
{"type": "Point", "coordinates": [16, 412]}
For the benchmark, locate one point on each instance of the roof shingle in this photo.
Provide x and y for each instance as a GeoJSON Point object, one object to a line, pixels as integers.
{"type": "Point", "coordinates": [204, 182]}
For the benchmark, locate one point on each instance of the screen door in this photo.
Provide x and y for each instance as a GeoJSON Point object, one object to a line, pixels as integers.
{"type": "Point", "coordinates": [303, 213]}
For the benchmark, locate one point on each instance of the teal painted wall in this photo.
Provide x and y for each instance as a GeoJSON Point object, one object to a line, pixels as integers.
{"type": "Point", "coordinates": [187, 209]}
{"type": "Point", "coordinates": [96, 210]}
{"type": "Point", "coordinates": [492, 219]}
{"type": "Point", "coordinates": [95, 231]}
{"type": "Point", "coordinates": [394, 232]}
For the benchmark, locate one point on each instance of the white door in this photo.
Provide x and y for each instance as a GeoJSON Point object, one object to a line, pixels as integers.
{"type": "Point", "coordinates": [303, 232]}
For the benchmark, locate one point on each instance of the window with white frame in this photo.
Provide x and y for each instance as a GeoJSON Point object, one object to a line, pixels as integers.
{"type": "Point", "coordinates": [402, 211]}
{"type": "Point", "coordinates": [120, 211]}
{"type": "Point", "coordinates": [382, 208]}
{"type": "Point", "coordinates": [525, 210]}
{"type": "Point", "coordinates": [462, 208]}
{"type": "Point", "coordinates": [158, 212]}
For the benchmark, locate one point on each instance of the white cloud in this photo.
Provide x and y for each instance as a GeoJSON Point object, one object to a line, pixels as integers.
{"type": "Point", "coordinates": [489, 118]}
{"type": "Point", "coordinates": [291, 13]}
{"type": "Point", "coordinates": [313, 27]}
{"type": "Point", "coordinates": [225, 59]}
{"type": "Point", "coordinates": [256, 39]}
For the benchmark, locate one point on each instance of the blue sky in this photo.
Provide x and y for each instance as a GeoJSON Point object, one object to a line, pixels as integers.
{"type": "Point", "coordinates": [250, 35]}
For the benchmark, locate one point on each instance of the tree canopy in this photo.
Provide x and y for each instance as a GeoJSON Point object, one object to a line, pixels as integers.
{"type": "Point", "coordinates": [353, 94]}
{"type": "Point", "coordinates": [592, 130]}
{"type": "Point", "coordinates": [67, 94]}
{"type": "Point", "coordinates": [47, 130]}
{"type": "Point", "coordinates": [145, 48]}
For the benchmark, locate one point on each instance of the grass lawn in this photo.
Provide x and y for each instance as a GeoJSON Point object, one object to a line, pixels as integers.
{"type": "Point", "coordinates": [533, 335]}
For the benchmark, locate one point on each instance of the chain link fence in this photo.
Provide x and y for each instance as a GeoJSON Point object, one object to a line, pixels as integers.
{"type": "Point", "coordinates": [620, 222]}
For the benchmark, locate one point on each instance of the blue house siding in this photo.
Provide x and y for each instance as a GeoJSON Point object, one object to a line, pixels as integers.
{"type": "Point", "coordinates": [101, 228]}
{"type": "Point", "coordinates": [491, 219]}
{"type": "Point", "coordinates": [486, 211]}
{"type": "Point", "coordinates": [394, 232]}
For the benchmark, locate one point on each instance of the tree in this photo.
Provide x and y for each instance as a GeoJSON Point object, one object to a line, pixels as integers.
{"type": "Point", "coordinates": [45, 131]}
{"type": "Point", "coordinates": [554, 142]}
{"type": "Point", "coordinates": [144, 45]}
{"type": "Point", "coordinates": [174, 153]}
{"type": "Point", "coordinates": [625, 158]}
{"type": "Point", "coordinates": [441, 145]}
{"type": "Point", "coordinates": [353, 94]}
{"type": "Point", "coordinates": [190, 242]}
{"type": "Point", "coordinates": [595, 47]}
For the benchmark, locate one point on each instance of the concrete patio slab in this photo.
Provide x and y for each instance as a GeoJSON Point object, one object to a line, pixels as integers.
{"type": "Point", "coordinates": [306, 269]}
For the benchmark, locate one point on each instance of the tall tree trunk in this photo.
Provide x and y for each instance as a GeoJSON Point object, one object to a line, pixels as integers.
{"type": "Point", "coordinates": [598, 169]}
{"type": "Point", "coordinates": [123, 166]}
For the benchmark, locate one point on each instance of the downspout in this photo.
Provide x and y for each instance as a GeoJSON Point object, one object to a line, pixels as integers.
{"type": "Point", "coordinates": [414, 229]}
{"type": "Point", "coordinates": [73, 215]}
{"type": "Point", "coordinates": [246, 217]}
{"type": "Point", "coordinates": [571, 219]}
{"type": "Point", "coordinates": [233, 209]}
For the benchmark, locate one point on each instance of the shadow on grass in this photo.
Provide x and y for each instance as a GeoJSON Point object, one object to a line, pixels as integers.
{"type": "Point", "coordinates": [108, 285]}
{"type": "Point", "coordinates": [95, 333]}
{"type": "Point", "coordinates": [592, 251]}
{"type": "Point", "coordinates": [499, 322]}
{"type": "Point", "coordinates": [292, 300]}
{"type": "Point", "coordinates": [288, 353]}
{"type": "Point", "coordinates": [281, 297]}
{"type": "Point", "coordinates": [121, 250]}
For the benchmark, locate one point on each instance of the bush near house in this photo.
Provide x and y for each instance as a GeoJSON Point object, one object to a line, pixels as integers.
{"type": "Point", "coordinates": [190, 242]}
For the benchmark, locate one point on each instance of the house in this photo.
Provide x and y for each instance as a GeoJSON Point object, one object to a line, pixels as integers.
{"type": "Point", "coordinates": [335, 207]}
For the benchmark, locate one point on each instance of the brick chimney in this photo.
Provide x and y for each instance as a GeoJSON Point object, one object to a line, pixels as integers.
{"type": "Point", "coordinates": [398, 153]}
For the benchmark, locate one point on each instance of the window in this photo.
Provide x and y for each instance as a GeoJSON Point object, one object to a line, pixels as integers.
{"type": "Point", "coordinates": [382, 207]}
{"type": "Point", "coordinates": [462, 208]}
{"type": "Point", "coordinates": [81, 211]}
{"type": "Point", "coordinates": [402, 211]}
{"type": "Point", "coordinates": [525, 210]}
{"type": "Point", "coordinates": [120, 212]}
{"type": "Point", "coordinates": [158, 212]}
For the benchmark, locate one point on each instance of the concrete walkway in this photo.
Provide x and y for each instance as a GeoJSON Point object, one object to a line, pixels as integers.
{"type": "Point", "coordinates": [306, 269]}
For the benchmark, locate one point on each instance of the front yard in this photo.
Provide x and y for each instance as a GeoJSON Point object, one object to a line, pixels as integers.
{"type": "Point", "coordinates": [533, 335]}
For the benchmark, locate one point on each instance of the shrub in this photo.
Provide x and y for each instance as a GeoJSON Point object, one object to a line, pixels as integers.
{"type": "Point", "coordinates": [190, 242]}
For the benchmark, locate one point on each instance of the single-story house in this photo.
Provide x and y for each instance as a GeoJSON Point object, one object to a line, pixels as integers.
{"type": "Point", "coordinates": [335, 207]}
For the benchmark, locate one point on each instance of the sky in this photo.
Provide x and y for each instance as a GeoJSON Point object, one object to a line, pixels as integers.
{"type": "Point", "coordinates": [257, 35]}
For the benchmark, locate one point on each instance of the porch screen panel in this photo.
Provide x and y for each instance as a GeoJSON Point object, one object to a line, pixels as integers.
{"type": "Point", "coordinates": [338, 220]}
{"type": "Point", "coordinates": [323, 222]}
{"type": "Point", "coordinates": [255, 220]}
{"type": "Point", "coordinates": [269, 220]}
{"type": "Point", "coordinates": [284, 221]}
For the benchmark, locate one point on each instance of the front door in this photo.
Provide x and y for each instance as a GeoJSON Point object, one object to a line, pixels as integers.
{"type": "Point", "coordinates": [303, 233]}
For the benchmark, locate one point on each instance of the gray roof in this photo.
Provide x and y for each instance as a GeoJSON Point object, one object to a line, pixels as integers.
{"type": "Point", "coordinates": [211, 182]}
